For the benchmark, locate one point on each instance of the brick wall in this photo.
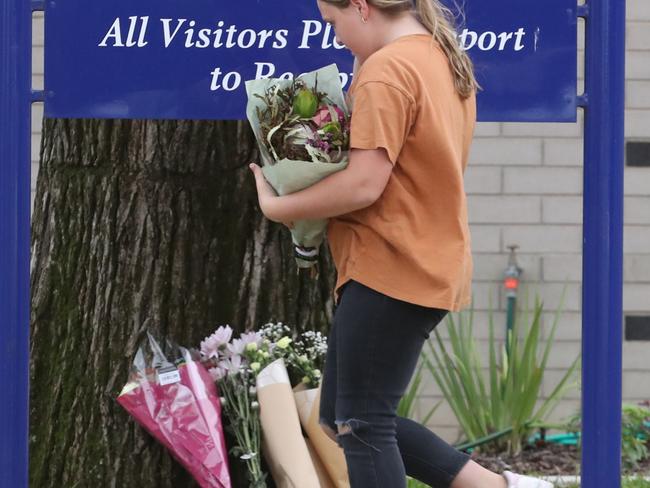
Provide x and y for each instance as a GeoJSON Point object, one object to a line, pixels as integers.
{"type": "Point", "coordinates": [524, 184]}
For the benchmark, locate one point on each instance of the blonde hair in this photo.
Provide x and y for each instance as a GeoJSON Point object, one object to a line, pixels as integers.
{"type": "Point", "coordinates": [441, 22]}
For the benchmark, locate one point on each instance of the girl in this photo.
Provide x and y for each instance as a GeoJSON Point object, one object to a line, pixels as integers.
{"type": "Point", "coordinates": [398, 234]}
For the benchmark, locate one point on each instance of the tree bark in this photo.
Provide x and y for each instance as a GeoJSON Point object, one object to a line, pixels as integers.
{"type": "Point", "coordinates": [142, 224]}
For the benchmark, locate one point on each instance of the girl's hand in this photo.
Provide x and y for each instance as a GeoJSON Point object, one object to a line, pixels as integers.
{"type": "Point", "coordinates": [265, 194]}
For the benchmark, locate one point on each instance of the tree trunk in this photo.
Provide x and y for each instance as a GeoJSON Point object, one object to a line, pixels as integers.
{"type": "Point", "coordinates": [142, 224]}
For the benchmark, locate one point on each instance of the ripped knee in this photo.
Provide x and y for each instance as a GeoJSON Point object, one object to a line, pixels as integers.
{"type": "Point", "coordinates": [354, 429]}
{"type": "Point", "coordinates": [344, 429]}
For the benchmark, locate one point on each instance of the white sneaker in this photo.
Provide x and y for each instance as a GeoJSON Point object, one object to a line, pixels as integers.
{"type": "Point", "coordinates": [521, 481]}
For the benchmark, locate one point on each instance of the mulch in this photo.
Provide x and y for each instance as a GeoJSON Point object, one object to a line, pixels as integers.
{"type": "Point", "coordinates": [547, 459]}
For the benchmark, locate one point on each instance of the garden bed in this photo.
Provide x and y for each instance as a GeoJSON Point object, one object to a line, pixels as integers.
{"type": "Point", "coordinates": [548, 459]}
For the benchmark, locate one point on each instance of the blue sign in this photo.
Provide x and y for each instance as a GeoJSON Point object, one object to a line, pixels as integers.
{"type": "Point", "coordinates": [171, 59]}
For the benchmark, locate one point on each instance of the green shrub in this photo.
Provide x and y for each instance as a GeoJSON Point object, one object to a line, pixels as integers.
{"type": "Point", "coordinates": [505, 401]}
{"type": "Point", "coordinates": [635, 434]}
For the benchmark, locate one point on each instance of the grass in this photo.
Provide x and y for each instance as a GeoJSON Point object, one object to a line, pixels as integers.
{"type": "Point", "coordinates": [415, 484]}
{"type": "Point", "coordinates": [627, 483]}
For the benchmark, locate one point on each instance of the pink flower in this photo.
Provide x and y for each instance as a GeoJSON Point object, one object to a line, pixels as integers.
{"type": "Point", "coordinates": [211, 345]}
{"type": "Point", "coordinates": [324, 115]}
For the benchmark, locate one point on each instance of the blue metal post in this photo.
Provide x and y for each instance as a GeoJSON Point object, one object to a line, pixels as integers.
{"type": "Point", "coordinates": [15, 138]}
{"type": "Point", "coordinates": [603, 243]}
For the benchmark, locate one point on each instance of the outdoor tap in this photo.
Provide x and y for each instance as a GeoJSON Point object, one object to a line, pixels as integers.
{"type": "Point", "coordinates": [512, 273]}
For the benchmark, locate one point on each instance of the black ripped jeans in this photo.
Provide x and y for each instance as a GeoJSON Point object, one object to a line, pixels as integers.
{"type": "Point", "coordinates": [373, 349]}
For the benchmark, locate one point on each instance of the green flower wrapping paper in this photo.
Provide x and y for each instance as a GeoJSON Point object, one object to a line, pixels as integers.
{"type": "Point", "coordinates": [323, 137]}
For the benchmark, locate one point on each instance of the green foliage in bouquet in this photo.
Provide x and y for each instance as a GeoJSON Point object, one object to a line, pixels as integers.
{"type": "Point", "coordinates": [507, 400]}
{"type": "Point", "coordinates": [304, 354]}
{"type": "Point", "coordinates": [301, 123]}
{"type": "Point", "coordinates": [242, 412]}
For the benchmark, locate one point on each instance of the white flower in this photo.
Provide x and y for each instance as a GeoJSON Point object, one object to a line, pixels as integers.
{"type": "Point", "coordinates": [317, 373]}
{"type": "Point", "coordinates": [255, 366]}
{"type": "Point", "coordinates": [251, 347]}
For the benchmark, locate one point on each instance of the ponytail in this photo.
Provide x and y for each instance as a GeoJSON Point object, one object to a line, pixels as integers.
{"type": "Point", "coordinates": [440, 21]}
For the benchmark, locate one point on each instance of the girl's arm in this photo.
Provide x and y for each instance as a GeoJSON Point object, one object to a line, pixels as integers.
{"type": "Point", "coordinates": [356, 187]}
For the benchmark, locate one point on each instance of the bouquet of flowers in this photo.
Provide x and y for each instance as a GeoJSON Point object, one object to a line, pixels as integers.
{"type": "Point", "coordinates": [306, 356]}
{"type": "Point", "coordinates": [230, 367]}
{"type": "Point", "coordinates": [172, 396]}
{"type": "Point", "coordinates": [306, 361]}
{"type": "Point", "coordinates": [261, 410]}
{"type": "Point", "coordinates": [302, 129]}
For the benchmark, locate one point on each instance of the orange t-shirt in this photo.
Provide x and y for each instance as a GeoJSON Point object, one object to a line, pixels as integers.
{"type": "Point", "coordinates": [413, 243]}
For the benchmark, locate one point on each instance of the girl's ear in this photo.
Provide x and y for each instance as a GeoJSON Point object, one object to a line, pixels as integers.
{"type": "Point", "coordinates": [361, 5]}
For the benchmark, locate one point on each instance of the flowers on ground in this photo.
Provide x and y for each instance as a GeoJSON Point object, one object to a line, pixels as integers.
{"type": "Point", "coordinates": [233, 363]}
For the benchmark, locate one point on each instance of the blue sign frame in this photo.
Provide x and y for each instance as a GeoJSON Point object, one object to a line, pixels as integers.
{"type": "Point", "coordinates": [164, 59]}
{"type": "Point", "coordinates": [15, 182]}
{"type": "Point", "coordinates": [603, 103]}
